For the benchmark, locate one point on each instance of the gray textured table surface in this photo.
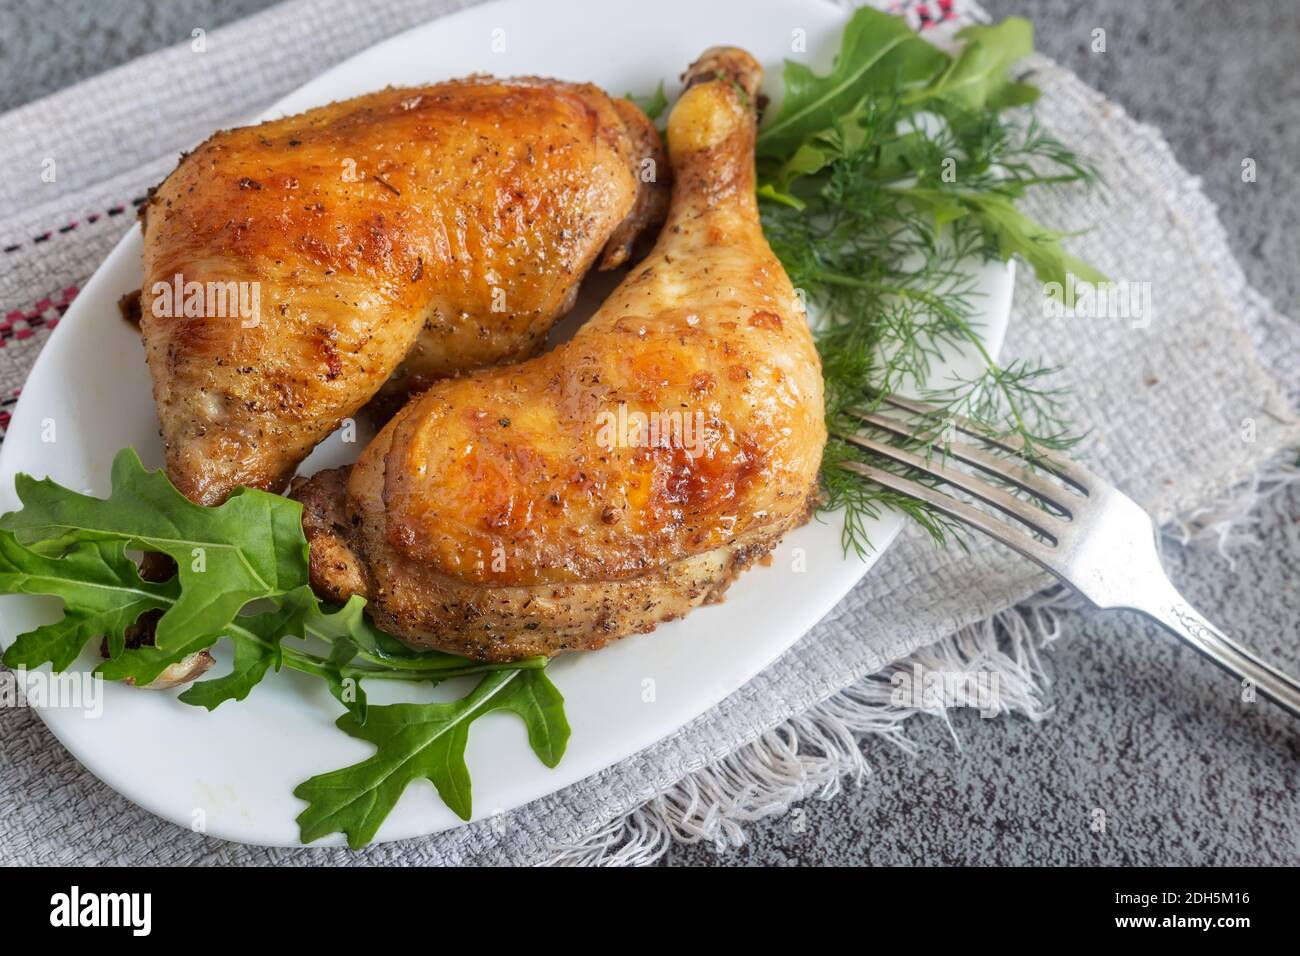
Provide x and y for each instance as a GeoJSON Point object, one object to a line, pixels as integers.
{"type": "Point", "coordinates": [1183, 778]}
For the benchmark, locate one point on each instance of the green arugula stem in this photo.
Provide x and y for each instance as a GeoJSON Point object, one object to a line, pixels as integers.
{"type": "Point", "coordinates": [412, 670]}
{"type": "Point", "coordinates": [441, 664]}
{"type": "Point", "coordinates": [469, 667]}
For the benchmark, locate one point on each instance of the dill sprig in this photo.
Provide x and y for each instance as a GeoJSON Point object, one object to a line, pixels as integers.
{"type": "Point", "coordinates": [880, 184]}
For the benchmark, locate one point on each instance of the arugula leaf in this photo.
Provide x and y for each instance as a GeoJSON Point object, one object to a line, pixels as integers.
{"type": "Point", "coordinates": [836, 116]}
{"type": "Point", "coordinates": [256, 639]}
{"type": "Point", "coordinates": [812, 156]}
{"type": "Point", "coordinates": [102, 591]}
{"type": "Point", "coordinates": [251, 547]}
{"type": "Point", "coordinates": [879, 54]}
{"type": "Point", "coordinates": [251, 662]}
{"type": "Point", "coordinates": [74, 547]}
{"type": "Point", "coordinates": [653, 105]}
{"type": "Point", "coordinates": [358, 651]}
{"type": "Point", "coordinates": [425, 740]}
{"type": "Point", "coordinates": [978, 79]}
{"type": "Point", "coordinates": [1009, 233]}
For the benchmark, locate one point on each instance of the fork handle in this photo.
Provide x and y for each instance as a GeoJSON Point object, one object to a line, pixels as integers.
{"type": "Point", "coordinates": [1184, 621]}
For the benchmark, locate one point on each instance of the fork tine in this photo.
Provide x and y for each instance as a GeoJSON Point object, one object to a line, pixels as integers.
{"type": "Point", "coordinates": [1010, 471]}
{"type": "Point", "coordinates": [959, 511]}
{"type": "Point", "coordinates": [1033, 518]}
{"type": "Point", "coordinates": [1065, 469]}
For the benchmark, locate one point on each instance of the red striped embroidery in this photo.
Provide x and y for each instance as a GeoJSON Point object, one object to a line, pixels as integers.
{"type": "Point", "coordinates": [69, 227]}
{"type": "Point", "coordinates": [6, 411]}
{"type": "Point", "coordinates": [19, 324]}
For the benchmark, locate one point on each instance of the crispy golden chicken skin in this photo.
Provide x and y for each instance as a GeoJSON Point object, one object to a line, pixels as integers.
{"type": "Point", "coordinates": [448, 226]}
{"type": "Point", "coordinates": [621, 479]}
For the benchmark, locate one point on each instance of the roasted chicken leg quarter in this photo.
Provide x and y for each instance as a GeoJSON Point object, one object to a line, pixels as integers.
{"type": "Point", "coordinates": [289, 268]}
{"type": "Point", "coordinates": [621, 479]}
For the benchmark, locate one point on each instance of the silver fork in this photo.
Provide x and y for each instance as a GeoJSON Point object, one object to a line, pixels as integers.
{"type": "Point", "coordinates": [1092, 537]}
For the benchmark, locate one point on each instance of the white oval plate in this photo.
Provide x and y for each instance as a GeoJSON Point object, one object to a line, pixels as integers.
{"type": "Point", "coordinates": [236, 768]}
